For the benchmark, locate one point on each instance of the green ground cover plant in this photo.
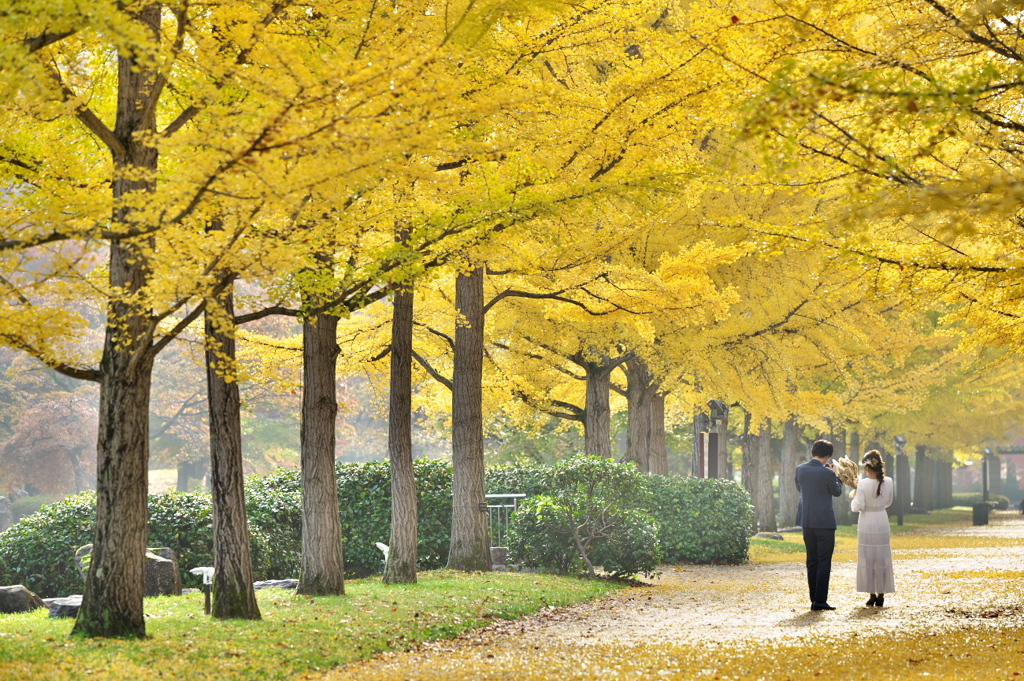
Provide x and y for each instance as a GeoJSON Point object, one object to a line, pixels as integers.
{"type": "Point", "coordinates": [298, 635]}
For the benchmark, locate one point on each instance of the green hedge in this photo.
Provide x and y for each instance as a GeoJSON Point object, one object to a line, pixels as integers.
{"type": "Point", "coordinates": [702, 520]}
{"type": "Point", "coordinates": [699, 520]}
{"type": "Point", "coordinates": [967, 498]}
{"type": "Point", "coordinates": [595, 503]}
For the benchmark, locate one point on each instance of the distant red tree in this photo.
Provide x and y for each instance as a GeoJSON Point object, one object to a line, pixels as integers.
{"type": "Point", "coordinates": [53, 447]}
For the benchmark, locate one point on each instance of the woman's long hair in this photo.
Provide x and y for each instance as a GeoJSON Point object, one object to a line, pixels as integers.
{"type": "Point", "coordinates": [873, 461]}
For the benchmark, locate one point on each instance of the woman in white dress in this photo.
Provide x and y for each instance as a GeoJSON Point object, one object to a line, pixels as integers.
{"type": "Point", "coordinates": [874, 554]}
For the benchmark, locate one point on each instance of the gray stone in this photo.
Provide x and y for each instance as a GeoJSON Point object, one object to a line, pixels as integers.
{"type": "Point", "coordinates": [162, 575]}
{"type": "Point", "coordinates": [768, 535]}
{"type": "Point", "coordinates": [499, 556]}
{"type": "Point", "coordinates": [6, 515]}
{"type": "Point", "coordinates": [276, 583]}
{"type": "Point", "coordinates": [18, 599]}
{"type": "Point", "coordinates": [64, 607]}
{"type": "Point", "coordinates": [82, 556]}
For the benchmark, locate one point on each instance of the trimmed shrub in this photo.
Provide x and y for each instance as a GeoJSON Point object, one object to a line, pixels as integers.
{"type": "Point", "coordinates": [598, 513]}
{"type": "Point", "coordinates": [702, 520]}
{"type": "Point", "coordinates": [968, 498]}
{"type": "Point", "coordinates": [518, 478]}
{"type": "Point", "coordinates": [273, 507]}
{"type": "Point", "coordinates": [364, 493]}
{"type": "Point", "coordinates": [184, 522]}
{"type": "Point", "coordinates": [39, 551]}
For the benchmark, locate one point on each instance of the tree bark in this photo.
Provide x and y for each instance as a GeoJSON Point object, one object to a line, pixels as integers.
{"type": "Point", "coordinates": [758, 473]}
{"type": "Point", "coordinates": [922, 479]}
{"type": "Point", "coordinates": [115, 582]}
{"type": "Point", "coordinates": [402, 553]}
{"type": "Point", "coordinates": [791, 458]}
{"type": "Point", "coordinates": [659, 448]}
{"type": "Point", "coordinates": [720, 425]}
{"type": "Point", "coordinates": [470, 541]}
{"type": "Point", "coordinates": [597, 427]}
{"type": "Point", "coordinates": [640, 392]}
{"type": "Point", "coordinates": [322, 572]}
{"type": "Point", "coordinates": [233, 593]}
{"type": "Point", "coordinates": [701, 424]}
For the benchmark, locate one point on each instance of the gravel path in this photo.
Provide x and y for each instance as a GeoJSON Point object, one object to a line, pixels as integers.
{"type": "Point", "coordinates": [954, 587]}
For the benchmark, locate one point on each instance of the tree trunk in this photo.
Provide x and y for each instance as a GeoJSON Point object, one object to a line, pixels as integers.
{"type": "Point", "coordinates": [921, 479]}
{"type": "Point", "coordinates": [659, 448]}
{"type": "Point", "coordinates": [597, 427]}
{"type": "Point", "coordinates": [640, 392]}
{"type": "Point", "coordinates": [233, 594]}
{"type": "Point", "coordinates": [748, 466]}
{"type": "Point", "coordinates": [758, 473]}
{"type": "Point", "coordinates": [402, 554]}
{"type": "Point", "coordinates": [854, 452]}
{"type": "Point", "coordinates": [115, 582]}
{"type": "Point", "coordinates": [322, 572]}
{"type": "Point", "coordinates": [470, 542]}
{"type": "Point", "coordinates": [841, 504]}
{"type": "Point", "coordinates": [764, 474]}
{"type": "Point", "coordinates": [700, 425]}
{"type": "Point", "coordinates": [995, 474]}
{"type": "Point", "coordinates": [720, 425]}
{"type": "Point", "coordinates": [792, 456]}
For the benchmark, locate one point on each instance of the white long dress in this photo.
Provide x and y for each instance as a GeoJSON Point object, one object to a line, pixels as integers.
{"type": "Point", "coordinates": [874, 553]}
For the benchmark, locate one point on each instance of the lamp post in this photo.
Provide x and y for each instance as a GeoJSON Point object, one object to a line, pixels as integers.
{"type": "Point", "coordinates": [902, 478]}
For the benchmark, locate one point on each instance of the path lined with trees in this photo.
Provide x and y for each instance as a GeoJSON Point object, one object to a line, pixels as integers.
{"type": "Point", "coordinates": [510, 214]}
{"type": "Point", "coordinates": [956, 615]}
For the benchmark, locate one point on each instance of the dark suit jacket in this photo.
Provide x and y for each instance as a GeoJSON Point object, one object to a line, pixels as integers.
{"type": "Point", "coordinates": [817, 485]}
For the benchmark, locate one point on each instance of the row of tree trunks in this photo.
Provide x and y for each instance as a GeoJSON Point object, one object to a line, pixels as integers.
{"type": "Point", "coordinates": [470, 541]}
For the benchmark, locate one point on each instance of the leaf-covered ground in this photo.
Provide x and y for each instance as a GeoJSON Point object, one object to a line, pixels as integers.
{"type": "Point", "coordinates": [958, 614]}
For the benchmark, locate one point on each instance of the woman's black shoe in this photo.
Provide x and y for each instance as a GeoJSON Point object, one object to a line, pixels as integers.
{"type": "Point", "coordinates": [880, 601]}
{"type": "Point", "coordinates": [872, 601]}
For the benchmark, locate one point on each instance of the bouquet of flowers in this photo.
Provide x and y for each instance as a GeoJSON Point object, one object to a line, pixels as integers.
{"type": "Point", "coordinates": [848, 472]}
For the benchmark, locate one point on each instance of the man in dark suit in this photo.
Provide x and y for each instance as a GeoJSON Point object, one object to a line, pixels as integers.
{"type": "Point", "coordinates": [817, 483]}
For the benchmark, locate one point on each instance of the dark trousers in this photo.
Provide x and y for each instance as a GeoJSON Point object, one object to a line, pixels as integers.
{"type": "Point", "coordinates": [820, 543]}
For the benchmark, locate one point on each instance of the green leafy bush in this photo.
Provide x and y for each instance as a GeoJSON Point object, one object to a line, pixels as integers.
{"type": "Point", "coordinates": [273, 507]}
{"type": "Point", "coordinates": [702, 520]}
{"type": "Point", "coordinates": [518, 478]}
{"type": "Point", "coordinates": [364, 492]}
{"type": "Point", "coordinates": [598, 514]}
{"type": "Point", "coordinates": [39, 551]}
{"type": "Point", "coordinates": [967, 498]}
{"type": "Point", "coordinates": [184, 522]}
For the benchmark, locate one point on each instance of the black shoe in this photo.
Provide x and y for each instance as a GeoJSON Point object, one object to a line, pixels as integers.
{"type": "Point", "coordinates": [880, 600]}
{"type": "Point", "coordinates": [872, 601]}
{"type": "Point", "coordinates": [821, 606]}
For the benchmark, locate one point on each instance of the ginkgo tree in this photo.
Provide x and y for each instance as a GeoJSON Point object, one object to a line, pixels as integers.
{"type": "Point", "coordinates": [186, 141]}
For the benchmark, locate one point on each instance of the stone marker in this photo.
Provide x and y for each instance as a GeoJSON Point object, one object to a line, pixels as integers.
{"type": "Point", "coordinates": [18, 599]}
{"type": "Point", "coordinates": [64, 607]}
{"type": "Point", "coordinates": [6, 514]}
{"type": "Point", "coordinates": [162, 575]}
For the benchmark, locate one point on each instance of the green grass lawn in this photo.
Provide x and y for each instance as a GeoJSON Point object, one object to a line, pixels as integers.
{"type": "Point", "coordinates": [297, 636]}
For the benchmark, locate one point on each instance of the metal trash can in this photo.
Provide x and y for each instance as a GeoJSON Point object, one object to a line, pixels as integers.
{"type": "Point", "coordinates": [981, 510]}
